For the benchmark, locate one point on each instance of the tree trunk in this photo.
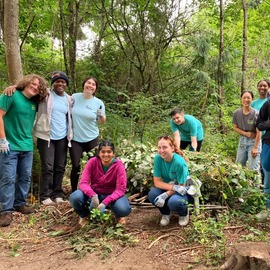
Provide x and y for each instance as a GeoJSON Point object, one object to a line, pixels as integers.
{"type": "Point", "coordinates": [244, 56]}
{"type": "Point", "coordinates": [220, 66]}
{"type": "Point", "coordinates": [11, 39]}
{"type": "Point", "coordinates": [249, 256]}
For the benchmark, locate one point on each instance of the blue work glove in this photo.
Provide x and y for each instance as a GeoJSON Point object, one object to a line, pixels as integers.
{"type": "Point", "coordinates": [94, 202]}
{"type": "Point", "coordinates": [179, 189]}
{"type": "Point", "coordinates": [4, 146]}
{"type": "Point", "coordinates": [159, 201]}
{"type": "Point", "coordinates": [101, 207]}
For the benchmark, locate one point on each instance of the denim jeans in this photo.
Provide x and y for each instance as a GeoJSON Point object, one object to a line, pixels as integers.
{"type": "Point", "coordinates": [53, 158]}
{"type": "Point", "coordinates": [15, 179]}
{"type": "Point", "coordinates": [80, 202]}
{"type": "Point", "coordinates": [244, 153]}
{"type": "Point", "coordinates": [175, 203]}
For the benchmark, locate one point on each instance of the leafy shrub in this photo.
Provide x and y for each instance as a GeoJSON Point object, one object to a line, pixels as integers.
{"type": "Point", "coordinates": [138, 159]}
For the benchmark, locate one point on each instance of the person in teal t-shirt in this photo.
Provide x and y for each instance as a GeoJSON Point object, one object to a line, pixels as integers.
{"type": "Point", "coordinates": [263, 88]}
{"type": "Point", "coordinates": [169, 193]}
{"type": "Point", "coordinates": [17, 115]}
{"type": "Point", "coordinates": [187, 130]}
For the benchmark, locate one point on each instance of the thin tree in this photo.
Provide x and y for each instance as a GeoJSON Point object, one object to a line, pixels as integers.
{"type": "Point", "coordinates": [11, 40]}
{"type": "Point", "coordinates": [220, 65]}
{"type": "Point", "coordinates": [244, 55]}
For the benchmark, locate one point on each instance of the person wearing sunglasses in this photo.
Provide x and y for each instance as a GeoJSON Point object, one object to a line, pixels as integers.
{"type": "Point", "coordinates": [170, 192]}
{"type": "Point", "coordinates": [187, 130]}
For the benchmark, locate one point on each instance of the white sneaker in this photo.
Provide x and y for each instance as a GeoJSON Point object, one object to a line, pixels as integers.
{"type": "Point", "coordinates": [183, 220]}
{"type": "Point", "coordinates": [59, 200]}
{"type": "Point", "coordinates": [165, 220]}
{"type": "Point", "coordinates": [48, 202]}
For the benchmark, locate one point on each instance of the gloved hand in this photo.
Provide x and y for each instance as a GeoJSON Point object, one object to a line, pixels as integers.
{"type": "Point", "coordinates": [94, 202]}
{"type": "Point", "coordinates": [4, 146]}
{"type": "Point", "coordinates": [99, 112]}
{"type": "Point", "coordinates": [101, 207]}
{"type": "Point", "coordinates": [179, 189]}
{"type": "Point", "coordinates": [159, 201]}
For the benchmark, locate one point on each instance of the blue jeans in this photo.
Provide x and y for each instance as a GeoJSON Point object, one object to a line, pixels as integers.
{"type": "Point", "coordinates": [244, 153]}
{"type": "Point", "coordinates": [80, 202]}
{"type": "Point", "coordinates": [15, 179]}
{"type": "Point", "coordinates": [265, 160]}
{"type": "Point", "coordinates": [175, 203]}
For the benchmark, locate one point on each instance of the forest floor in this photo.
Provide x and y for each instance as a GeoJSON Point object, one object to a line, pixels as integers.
{"type": "Point", "coordinates": [51, 239]}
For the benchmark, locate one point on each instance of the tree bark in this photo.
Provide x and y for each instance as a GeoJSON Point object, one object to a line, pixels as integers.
{"type": "Point", "coordinates": [250, 256]}
{"type": "Point", "coordinates": [11, 40]}
{"type": "Point", "coordinates": [244, 56]}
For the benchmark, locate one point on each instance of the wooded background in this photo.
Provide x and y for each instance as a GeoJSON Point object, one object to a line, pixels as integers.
{"type": "Point", "coordinates": [149, 57]}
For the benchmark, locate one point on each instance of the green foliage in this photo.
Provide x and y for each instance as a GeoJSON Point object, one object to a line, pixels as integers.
{"type": "Point", "coordinates": [138, 160]}
{"type": "Point", "coordinates": [225, 182]}
{"type": "Point", "coordinates": [98, 234]}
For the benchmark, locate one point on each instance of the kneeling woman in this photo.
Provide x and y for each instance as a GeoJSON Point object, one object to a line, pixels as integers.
{"type": "Point", "coordinates": [169, 193]}
{"type": "Point", "coordinates": [103, 183]}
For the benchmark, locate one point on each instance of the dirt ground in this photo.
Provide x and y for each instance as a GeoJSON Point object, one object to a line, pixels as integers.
{"type": "Point", "coordinates": [28, 244]}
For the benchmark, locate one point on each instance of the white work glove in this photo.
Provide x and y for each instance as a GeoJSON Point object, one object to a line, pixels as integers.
{"type": "Point", "coordinates": [94, 202]}
{"type": "Point", "coordinates": [179, 189]}
{"type": "Point", "coordinates": [159, 201]}
{"type": "Point", "coordinates": [4, 146]}
{"type": "Point", "coordinates": [101, 207]}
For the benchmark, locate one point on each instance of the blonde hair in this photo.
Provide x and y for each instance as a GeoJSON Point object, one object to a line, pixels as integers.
{"type": "Point", "coordinates": [43, 86]}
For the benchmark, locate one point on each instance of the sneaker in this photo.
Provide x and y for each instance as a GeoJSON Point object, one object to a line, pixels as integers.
{"type": "Point", "coordinates": [183, 220]}
{"type": "Point", "coordinates": [121, 220]}
{"type": "Point", "coordinates": [48, 202]}
{"type": "Point", "coordinates": [24, 209]}
{"type": "Point", "coordinates": [263, 215]}
{"type": "Point", "coordinates": [6, 219]}
{"type": "Point", "coordinates": [59, 200]}
{"type": "Point", "coordinates": [82, 221]}
{"type": "Point", "coordinates": [165, 220]}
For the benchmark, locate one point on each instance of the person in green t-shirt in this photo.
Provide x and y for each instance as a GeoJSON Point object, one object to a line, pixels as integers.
{"type": "Point", "coordinates": [187, 130]}
{"type": "Point", "coordinates": [17, 115]}
{"type": "Point", "coordinates": [170, 193]}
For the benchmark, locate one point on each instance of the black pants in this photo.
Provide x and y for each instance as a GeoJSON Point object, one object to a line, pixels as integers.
{"type": "Point", "coordinates": [53, 157]}
{"type": "Point", "coordinates": [76, 150]}
{"type": "Point", "coordinates": [184, 144]}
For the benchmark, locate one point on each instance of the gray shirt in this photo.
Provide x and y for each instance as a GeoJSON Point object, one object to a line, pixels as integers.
{"type": "Point", "coordinates": [246, 122]}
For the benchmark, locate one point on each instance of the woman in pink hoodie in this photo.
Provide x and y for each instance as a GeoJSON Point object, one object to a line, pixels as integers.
{"type": "Point", "coordinates": [103, 183]}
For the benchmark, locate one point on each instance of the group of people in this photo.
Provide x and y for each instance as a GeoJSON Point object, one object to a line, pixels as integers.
{"type": "Point", "coordinates": [61, 122]}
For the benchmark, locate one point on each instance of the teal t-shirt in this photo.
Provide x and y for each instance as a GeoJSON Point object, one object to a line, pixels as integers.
{"type": "Point", "coordinates": [176, 170]}
{"type": "Point", "coordinates": [257, 103]}
{"type": "Point", "coordinates": [191, 127]}
{"type": "Point", "coordinates": [18, 120]}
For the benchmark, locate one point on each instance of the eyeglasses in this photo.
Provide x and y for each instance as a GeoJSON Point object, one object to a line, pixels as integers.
{"type": "Point", "coordinates": [165, 137]}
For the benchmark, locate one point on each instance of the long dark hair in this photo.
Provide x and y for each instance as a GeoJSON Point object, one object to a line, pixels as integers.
{"type": "Point", "coordinates": [105, 143]}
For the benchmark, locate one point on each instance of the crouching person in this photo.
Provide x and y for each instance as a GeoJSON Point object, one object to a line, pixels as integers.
{"type": "Point", "coordinates": [169, 193]}
{"type": "Point", "coordinates": [103, 184]}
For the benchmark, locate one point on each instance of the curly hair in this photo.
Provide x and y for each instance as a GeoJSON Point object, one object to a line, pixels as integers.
{"type": "Point", "coordinates": [28, 79]}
